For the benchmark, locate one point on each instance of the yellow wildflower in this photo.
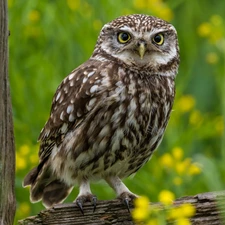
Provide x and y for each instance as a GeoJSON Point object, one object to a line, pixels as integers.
{"type": "Point", "coordinates": [180, 168]}
{"type": "Point", "coordinates": [34, 16]}
{"type": "Point", "coordinates": [187, 210]}
{"type": "Point", "coordinates": [204, 29]}
{"type": "Point", "coordinates": [213, 30]}
{"type": "Point", "coordinates": [166, 13]}
{"type": "Point", "coordinates": [140, 214]}
{"type": "Point", "coordinates": [141, 210]}
{"type": "Point", "coordinates": [167, 160]}
{"type": "Point", "coordinates": [20, 162]}
{"type": "Point", "coordinates": [73, 5]}
{"type": "Point", "coordinates": [186, 103]}
{"type": "Point", "coordinates": [174, 213]}
{"type": "Point", "coordinates": [194, 169]}
{"type": "Point", "coordinates": [24, 150]}
{"type": "Point", "coordinates": [141, 202]}
{"type": "Point", "coordinates": [178, 153]}
{"type": "Point", "coordinates": [182, 221]}
{"type": "Point", "coordinates": [24, 208]}
{"type": "Point", "coordinates": [196, 118]}
{"type": "Point", "coordinates": [166, 197]}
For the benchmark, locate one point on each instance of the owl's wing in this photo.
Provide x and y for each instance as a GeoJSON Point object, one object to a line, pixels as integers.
{"type": "Point", "coordinates": [75, 97]}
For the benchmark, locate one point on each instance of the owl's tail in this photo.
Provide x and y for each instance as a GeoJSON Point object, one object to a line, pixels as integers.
{"type": "Point", "coordinates": [46, 187]}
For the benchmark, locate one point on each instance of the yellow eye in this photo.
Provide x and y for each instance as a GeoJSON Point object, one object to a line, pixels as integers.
{"type": "Point", "coordinates": [123, 37]}
{"type": "Point", "coordinates": [158, 39]}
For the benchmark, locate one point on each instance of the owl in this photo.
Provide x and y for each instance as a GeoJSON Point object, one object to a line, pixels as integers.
{"type": "Point", "coordinates": [108, 115]}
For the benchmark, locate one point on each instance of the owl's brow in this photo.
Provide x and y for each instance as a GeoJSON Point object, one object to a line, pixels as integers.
{"type": "Point", "coordinates": [125, 28]}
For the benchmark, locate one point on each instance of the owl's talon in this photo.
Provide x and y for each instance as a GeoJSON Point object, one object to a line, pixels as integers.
{"type": "Point", "coordinates": [94, 201]}
{"type": "Point", "coordinates": [79, 203]}
{"type": "Point", "coordinates": [126, 203]}
{"type": "Point", "coordinates": [80, 200]}
{"type": "Point", "coordinates": [127, 198]}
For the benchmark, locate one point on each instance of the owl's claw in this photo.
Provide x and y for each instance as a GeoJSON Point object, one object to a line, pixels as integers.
{"type": "Point", "coordinates": [126, 198]}
{"type": "Point", "coordinates": [94, 202]}
{"type": "Point", "coordinates": [80, 205]}
{"type": "Point", "coordinates": [80, 200]}
{"type": "Point", "coordinates": [126, 203]}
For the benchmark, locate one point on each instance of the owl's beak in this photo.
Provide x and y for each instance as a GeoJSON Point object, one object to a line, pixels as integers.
{"type": "Point", "coordinates": [141, 49]}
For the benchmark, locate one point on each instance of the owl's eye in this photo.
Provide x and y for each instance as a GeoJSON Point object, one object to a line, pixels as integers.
{"type": "Point", "coordinates": [158, 39]}
{"type": "Point", "coordinates": [123, 37]}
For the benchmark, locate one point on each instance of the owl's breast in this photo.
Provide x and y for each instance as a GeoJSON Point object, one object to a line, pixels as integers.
{"type": "Point", "coordinates": [122, 131]}
{"type": "Point", "coordinates": [147, 109]}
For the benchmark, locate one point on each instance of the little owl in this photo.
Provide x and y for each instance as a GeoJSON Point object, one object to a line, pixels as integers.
{"type": "Point", "coordinates": [109, 115]}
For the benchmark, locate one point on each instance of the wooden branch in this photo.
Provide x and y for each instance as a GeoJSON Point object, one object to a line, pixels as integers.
{"type": "Point", "coordinates": [7, 149]}
{"type": "Point", "coordinates": [114, 212]}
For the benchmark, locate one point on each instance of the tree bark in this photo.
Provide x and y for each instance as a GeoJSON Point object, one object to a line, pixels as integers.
{"type": "Point", "coordinates": [7, 149]}
{"type": "Point", "coordinates": [210, 209]}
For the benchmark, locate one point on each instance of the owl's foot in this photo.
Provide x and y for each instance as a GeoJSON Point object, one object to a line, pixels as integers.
{"type": "Point", "coordinates": [123, 193]}
{"type": "Point", "coordinates": [85, 195]}
{"type": "Point", "coordinates": [80, 200]}
{"type": "Point", "coordinates": [127, 198]}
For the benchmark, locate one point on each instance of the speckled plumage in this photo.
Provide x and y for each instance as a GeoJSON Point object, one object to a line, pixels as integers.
{"type": "Point", "coordinates": [110, 113]}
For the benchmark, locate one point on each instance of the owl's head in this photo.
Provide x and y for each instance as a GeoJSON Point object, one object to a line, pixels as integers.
{"type": "Point", "coordinates": [140, 41]}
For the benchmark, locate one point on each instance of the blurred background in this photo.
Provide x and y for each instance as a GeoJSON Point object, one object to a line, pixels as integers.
{"type": "Point", "coordinates": [50, 38]}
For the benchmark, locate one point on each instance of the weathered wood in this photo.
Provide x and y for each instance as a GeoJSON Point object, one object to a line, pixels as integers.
{"type": "Point", "coordinates": [7, 150]}
{"type": "Point", "coordinates": [114, 212]}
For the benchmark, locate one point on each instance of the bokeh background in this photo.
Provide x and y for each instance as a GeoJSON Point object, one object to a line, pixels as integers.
{"type": "Point", "coordinates": [50, 38]}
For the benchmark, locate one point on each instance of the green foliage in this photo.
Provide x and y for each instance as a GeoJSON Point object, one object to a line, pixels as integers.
{"type": "Point", "coordinates": [50, 38]}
